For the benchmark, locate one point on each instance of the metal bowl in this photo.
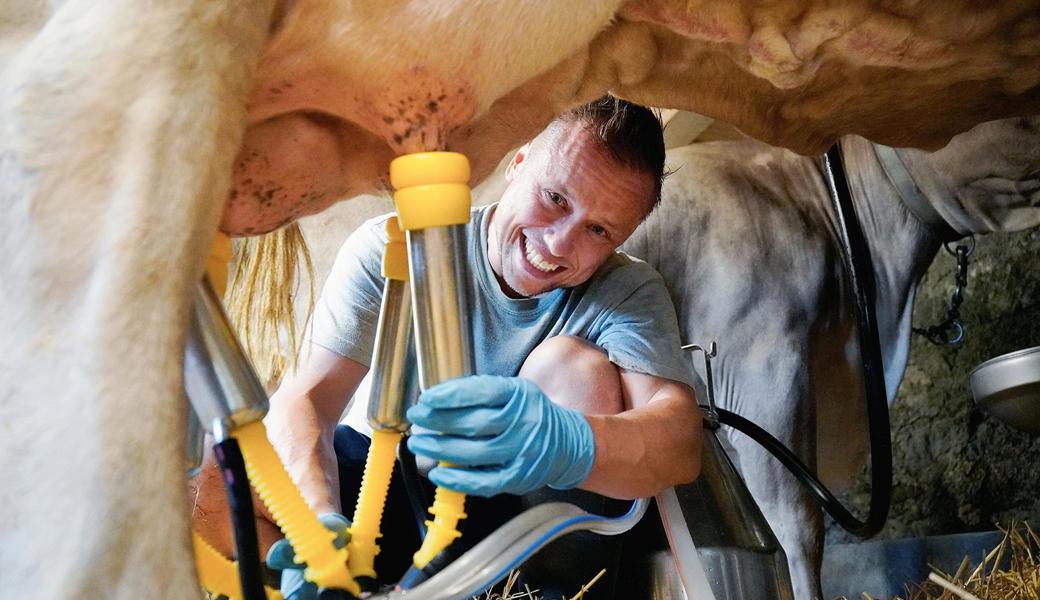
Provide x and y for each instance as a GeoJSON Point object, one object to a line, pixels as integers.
{"type": "Point", "coordinates": [1008, 387]}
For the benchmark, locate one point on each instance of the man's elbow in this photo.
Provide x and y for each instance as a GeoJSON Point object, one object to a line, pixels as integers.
{"type": "Point", "coordinates": [680, 472]}
{"type": "Point", "coordinates": [691, 468]}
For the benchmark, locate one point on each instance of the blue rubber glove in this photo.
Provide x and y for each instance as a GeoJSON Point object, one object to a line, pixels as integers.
{"type": "Point", "coordinates": [281, 556]}
{"type": "Point", "coordinates": [505, 432]}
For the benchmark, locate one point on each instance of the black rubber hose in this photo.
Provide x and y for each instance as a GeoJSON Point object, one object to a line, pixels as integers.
{"type": "Point", "coordinates": [414, 575]}
{"type": "Point", "coordinates": [807, 478]}
{"type": "Point", "coordinates": [240, 502]}
{"type": "Point", "coordinates": [864, 289]}
{"type": "Point", "coordinates": [335, 594]}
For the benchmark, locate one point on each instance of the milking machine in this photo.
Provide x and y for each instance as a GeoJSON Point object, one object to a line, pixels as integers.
{"type": "Point", "coordinates": [720, 540]}
{"type": "Point", "coordinates": [424, 267]}
{"type": "Point", "coordinates": [394, 382]}
{"type": "Point", "coordinates": [432, 198]}
{"type": "Point", "coordinates": [227, 395]}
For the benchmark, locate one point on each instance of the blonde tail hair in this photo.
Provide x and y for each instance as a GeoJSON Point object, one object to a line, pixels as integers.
{"type": "Point", "coordinates": [265, 279]}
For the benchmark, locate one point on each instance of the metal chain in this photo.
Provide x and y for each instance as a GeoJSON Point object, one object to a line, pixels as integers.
{"type": "Point", "coordinates": [951, 331]}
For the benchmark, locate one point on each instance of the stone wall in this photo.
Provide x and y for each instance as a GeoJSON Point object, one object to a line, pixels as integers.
{"type": "Point", "coordinates": [957, 469]}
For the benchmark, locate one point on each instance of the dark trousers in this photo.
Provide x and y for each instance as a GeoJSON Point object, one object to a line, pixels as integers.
{"type": "Point", "coordinates": [558, 570]}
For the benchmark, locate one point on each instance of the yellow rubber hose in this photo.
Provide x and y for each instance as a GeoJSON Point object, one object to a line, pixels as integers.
{"type": "Point", "coordinates": [312, 542]}
{"type": "Point", "coordinates": [217, 263]}
{"type": "Point", "coordinates": [217, 574]}
{"type": "Point", "coordinates": [371, 499]}
{"type": "Point", "coordinates": [447, 510]}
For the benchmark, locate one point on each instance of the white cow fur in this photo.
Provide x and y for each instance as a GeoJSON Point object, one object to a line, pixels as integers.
{"type": "Point", "coordinates": [106, 206]}
{"type": "Point", "coordinates": [746, 240]}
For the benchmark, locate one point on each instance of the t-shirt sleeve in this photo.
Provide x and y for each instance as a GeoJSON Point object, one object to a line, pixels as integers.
{"type": "Point", "coordinates": [641, 332]}
{"type": "Point", "coordinates": [346, 314]}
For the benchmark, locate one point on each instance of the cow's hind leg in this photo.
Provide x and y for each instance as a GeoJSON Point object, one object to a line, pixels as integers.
{"type": "Point", "coordinates": [781, 406]}
{"type": "Point", "coordinates": [790, 512]}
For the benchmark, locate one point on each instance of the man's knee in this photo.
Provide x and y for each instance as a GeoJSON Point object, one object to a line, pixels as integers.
{"type": "Point", "coordinates": [575, 373]}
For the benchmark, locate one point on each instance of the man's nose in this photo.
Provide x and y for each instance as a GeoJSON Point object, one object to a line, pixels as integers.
{"type": "Point", "coordinates": [560, 239]}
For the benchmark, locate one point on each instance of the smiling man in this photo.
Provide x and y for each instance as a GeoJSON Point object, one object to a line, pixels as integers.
{"type": "Point", "coordinates": [572, 200]}
{"type": "Point", "coordinates": [582, 383]}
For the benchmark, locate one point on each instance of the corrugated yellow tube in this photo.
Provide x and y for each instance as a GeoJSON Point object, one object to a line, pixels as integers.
{"type": "Point", "coordinates": [312, 542]}
{"type": "Point", "coordinates": [447, 510]}
{"type": "Point", "coordinates": [371, 499]}
{"type": "Point", "coordinates": [217, 263]}
{"type": "Point", "coordinates": [217, 574]}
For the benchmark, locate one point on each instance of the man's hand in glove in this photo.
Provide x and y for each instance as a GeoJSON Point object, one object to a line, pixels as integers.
{"type": "Point", "coordinates": [501, 434]}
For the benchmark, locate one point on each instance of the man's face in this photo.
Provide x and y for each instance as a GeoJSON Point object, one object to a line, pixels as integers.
{"type": "Point", "coordinates": [568, 206]}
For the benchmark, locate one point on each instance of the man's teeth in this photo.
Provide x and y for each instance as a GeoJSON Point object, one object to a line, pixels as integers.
{"type": "Point", "coordinates": [537, 261]}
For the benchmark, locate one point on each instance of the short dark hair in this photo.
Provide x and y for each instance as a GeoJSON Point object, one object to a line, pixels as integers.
{"type": "Point", "coordinates": [631, 133]}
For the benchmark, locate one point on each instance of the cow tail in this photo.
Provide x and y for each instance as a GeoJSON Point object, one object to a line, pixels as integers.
{"type": "Point", "coordinates": [260, 298]}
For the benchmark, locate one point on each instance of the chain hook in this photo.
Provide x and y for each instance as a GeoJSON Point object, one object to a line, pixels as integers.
{"type": "Point", "coordinates": [941, 333]}
{"type": "Point", "coordinates": [969, 249]}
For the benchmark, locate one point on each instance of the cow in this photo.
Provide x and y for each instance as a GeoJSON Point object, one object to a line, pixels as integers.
{"type": "Point", "coordinates": [132, 131]}
{"type": "Point", "coordinates": [746, 239]}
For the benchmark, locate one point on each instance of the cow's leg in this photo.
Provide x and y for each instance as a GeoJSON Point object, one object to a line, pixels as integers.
{"type": "Point", "coordinates": [119, 124]}
{"type": "Point", "coordinates": [781, 405]}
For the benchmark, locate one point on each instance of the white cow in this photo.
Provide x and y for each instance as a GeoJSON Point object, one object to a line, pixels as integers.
{"type": "Point", "coordinates": [746, 241]}
{"type": "Point", "coordinates": [131, 130]}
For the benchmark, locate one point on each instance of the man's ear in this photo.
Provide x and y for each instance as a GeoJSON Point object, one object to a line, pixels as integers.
{"type": "Point", "coordinates": [514, 165]}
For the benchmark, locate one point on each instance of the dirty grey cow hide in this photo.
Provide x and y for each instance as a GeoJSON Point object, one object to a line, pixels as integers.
{"type": "Point", "coordinates": [746, 241]}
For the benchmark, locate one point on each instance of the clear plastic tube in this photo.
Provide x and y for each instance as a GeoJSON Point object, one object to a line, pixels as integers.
{"type": "Point", "coordinates": [512, 544]}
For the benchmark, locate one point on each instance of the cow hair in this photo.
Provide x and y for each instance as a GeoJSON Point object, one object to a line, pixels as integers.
{"type": "Point", "coordinates": [264, 282]}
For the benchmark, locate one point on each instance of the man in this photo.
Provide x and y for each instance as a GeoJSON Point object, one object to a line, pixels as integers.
{"type": "Point", "coordinates": [590, 389]}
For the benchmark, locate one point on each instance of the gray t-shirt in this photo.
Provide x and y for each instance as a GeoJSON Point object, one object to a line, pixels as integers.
{"type": "Point", "coordinates": [624, 309]}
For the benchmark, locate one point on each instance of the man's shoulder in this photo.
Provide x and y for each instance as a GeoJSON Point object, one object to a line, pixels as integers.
{"type": "Point", "coordinates": [625, 267]}
{"type": "Point", "coordinates": [623, 278]}
{"type": "Point", "coordinates": [377, 223]}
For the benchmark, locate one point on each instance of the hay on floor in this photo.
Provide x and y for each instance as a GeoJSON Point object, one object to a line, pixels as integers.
{"type": "Point", "coordinates": [989, 580]}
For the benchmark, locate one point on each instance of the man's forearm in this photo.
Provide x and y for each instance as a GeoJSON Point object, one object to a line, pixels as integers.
{"type": "Point", "coordinates": [641, 451]}
{"type": "Point", "coordinates": [303, 439]}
